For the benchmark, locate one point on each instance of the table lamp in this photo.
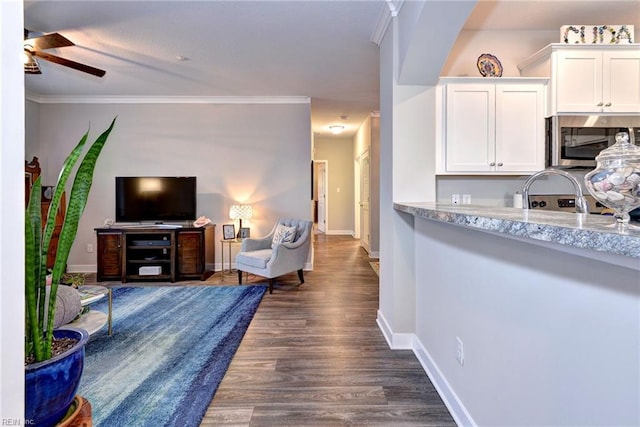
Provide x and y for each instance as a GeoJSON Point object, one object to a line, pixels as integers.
{"type": "Point", "coordinates": [240, 212]}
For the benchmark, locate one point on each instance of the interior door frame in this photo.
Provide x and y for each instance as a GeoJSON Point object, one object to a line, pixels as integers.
{"type": "Point", "coordinates": [356, 198]}
{"type": "Point", "coordinates": [365, 242]}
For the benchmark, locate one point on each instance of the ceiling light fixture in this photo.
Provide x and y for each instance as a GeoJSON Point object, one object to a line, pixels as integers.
{"type": "Point", "coordinates": [336, 129]}
{"type": "Point", "coordinates": [31, 66]}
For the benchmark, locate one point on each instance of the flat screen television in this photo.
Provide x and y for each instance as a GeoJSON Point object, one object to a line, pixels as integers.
{"type": "Point", "coordinates": [155, 198]}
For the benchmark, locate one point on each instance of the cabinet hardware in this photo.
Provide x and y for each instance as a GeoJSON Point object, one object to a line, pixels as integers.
{"type": "Point", "coordinates": [600, 104]}
{"type": "Point", "coordinates": [608, 104]}
{"type": "Point", "coordinates": [500, 164]}
{"type": "Point", "coordinates": [492, 164]}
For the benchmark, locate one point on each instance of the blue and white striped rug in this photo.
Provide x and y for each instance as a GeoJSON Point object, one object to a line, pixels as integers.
{"type": "Point", "coordinates": [169, 350]}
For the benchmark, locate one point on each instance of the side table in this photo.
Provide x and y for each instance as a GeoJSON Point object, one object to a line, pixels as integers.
{"type": "Point", "coordinates": [229, 243]}
{"type": "Point", "coordinates": [94, 320]}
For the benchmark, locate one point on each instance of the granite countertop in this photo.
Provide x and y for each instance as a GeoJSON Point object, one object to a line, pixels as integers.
{"type": "Point", "coordinates": [586, 231]}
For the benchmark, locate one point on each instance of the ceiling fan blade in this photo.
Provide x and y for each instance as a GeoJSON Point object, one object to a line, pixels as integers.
{"type": "Point", "coordinates": [49, 41]}
{"type": "Point", "coordinates": [69, 63]}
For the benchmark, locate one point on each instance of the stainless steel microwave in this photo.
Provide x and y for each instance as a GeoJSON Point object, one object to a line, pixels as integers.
{"type": "Point", "coordinates": [575, 141]}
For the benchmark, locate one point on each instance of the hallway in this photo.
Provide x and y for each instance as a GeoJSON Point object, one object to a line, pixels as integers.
{"type": "Point", "coordinates": [314, 356]}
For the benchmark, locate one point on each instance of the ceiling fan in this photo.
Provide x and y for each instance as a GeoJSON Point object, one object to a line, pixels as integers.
{"type": "Point", "coordinates": [33, 47]}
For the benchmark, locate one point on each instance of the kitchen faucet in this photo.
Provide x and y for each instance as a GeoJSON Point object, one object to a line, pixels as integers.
{"type": "Point", "coordinates": [581, 202]}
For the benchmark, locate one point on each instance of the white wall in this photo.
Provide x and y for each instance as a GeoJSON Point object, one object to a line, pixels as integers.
{"type": "Point", "coordinates": [250, 153]}
{"type": "Point", "coordinates": [407, 173]}
{"type": "Point", "coordinates": [11, 214]}
{"type": "Point", "coordinates": [338, 152]}
{"type": "Point", "coordinates": [549, 338]}
{"type": "Point", "coordinates": [31, 133]}
{"type": "Point", "coordinates": [368, 139]}
{"type": "Point", "coordinates": [426, 33]}
{"type": "Point", "coordinates": [499, 190]}
{"type": "Point", "coordinates": [510, 47]}
{"type": "Point", "coordinates": [387, 254]}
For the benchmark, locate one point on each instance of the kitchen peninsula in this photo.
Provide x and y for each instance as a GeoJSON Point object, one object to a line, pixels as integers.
{"type": "Point", "coordinates": [592, 232]}
{"type": "Point", "coordinates": [537, 313]}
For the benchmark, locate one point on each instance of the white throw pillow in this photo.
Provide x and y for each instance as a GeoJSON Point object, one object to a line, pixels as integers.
{"type": "Point", "coordinates": [283, 234]}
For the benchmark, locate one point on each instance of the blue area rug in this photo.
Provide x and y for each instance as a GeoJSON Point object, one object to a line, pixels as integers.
{"type": "Point", "coordinates": [169, 350]}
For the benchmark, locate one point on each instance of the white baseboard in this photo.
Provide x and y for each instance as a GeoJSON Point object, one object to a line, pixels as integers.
{"type": "Point", "coordinates": [339, 232]}
{"type": "Point", "coordinates": [82, 268]}
{"type": "Point", "coordinates": [396, 341]}
{"type": "Point", "coordinates": [448, 395]}
{"type": "Point", "coordinates": [404, 341]}
{"type": "Point", "coordinates": [374, 254]}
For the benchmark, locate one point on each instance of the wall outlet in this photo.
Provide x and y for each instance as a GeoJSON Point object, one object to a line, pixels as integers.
{"type": "Point", "coordinates": [455, 199]}
{"type": "Point", "coordinates": [89, 247]}
{"type": "Point", "coordinates": [466, 199]}
{"type": "Point", "coordinates": [460, 352]}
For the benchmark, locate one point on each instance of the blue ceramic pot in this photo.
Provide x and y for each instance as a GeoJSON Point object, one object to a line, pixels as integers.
{"type": "Point", "coordinates": [51, 385]}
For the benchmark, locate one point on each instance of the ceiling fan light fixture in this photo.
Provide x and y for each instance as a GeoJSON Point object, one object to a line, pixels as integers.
{"type": "Point", "coordinates": [336, 129]}
{"type": "Point", "coordinates": [31, 65]}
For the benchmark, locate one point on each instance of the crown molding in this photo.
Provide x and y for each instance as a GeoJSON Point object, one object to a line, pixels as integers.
{"type": "Point", "coordinates": [389, 12]}
{"type": "Point", "coordinates": [54, 99]}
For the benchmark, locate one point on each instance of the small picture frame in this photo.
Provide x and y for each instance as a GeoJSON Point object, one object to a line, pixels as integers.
{"type": "Point", "coordinates": [244, 232]}
{"type": "Point", "coordinates": [229, 231]}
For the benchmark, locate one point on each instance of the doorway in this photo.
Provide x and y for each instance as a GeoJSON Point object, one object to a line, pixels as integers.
{"type": "Point", "coordinates": [321, 191]}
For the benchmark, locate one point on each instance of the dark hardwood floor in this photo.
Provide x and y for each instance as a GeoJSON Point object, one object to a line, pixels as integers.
{"type": "Point", "coordinates": [314, 356]}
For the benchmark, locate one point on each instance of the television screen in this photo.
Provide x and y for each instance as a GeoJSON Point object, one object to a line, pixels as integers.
{"type": "Point", "coordinates": [153, 198]}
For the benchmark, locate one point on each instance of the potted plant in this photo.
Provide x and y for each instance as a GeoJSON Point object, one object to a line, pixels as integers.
{"type": "Point", "coordinates": [53, 358]}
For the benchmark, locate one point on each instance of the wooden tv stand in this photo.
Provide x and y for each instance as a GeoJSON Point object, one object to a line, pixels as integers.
{"type": "Point", "coordinates": [155, 253]}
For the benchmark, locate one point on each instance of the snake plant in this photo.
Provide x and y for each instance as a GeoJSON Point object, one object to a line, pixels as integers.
{"type": "Point", "coordinates": [38, 326]}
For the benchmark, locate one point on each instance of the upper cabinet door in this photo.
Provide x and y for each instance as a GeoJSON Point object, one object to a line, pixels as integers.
{"type": "Point", "coordinates": [470, 127]}
{"type": "Point", "coordinates": [579, 81]}
{"type": "Point", "coordinates": [621, 81]}
{"type": "Point", "coordinates": [520, 128]}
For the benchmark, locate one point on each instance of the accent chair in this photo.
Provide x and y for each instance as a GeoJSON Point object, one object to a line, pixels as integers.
{"type": "Point", "coordinates": [284, 250]}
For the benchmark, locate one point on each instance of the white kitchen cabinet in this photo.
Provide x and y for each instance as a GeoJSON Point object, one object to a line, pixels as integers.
{"type": "Point", "coordinates": [589, 78]}
{"type": "Point", "coordinates": [598, 81]}
{"type": "Point", "coordinates": [494, 127]}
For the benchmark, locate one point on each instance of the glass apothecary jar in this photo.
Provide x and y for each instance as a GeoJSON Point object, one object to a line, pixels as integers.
{"type": "Point", "coordinates": [615, 182]}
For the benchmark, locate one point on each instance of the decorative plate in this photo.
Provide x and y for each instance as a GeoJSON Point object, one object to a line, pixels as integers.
{"type": "Point", "coordinates": [489, 65]}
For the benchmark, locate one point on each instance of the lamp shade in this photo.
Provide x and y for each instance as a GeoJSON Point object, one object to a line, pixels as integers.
{"type": "Point", "coordinates": [240, 212]}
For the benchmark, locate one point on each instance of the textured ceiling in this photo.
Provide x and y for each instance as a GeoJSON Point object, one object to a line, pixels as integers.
{"type": "Point", "coordinates": [316, 49]}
